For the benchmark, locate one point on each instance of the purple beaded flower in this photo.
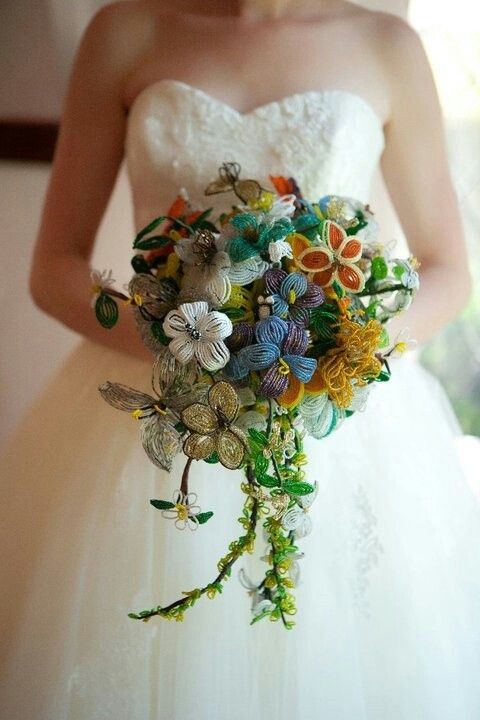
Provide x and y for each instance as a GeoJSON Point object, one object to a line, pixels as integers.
{"type": "Point", "coordinates": [293, 295]}
{"type": "Point", "coordinates": [243, 335]}
{"type": "Point", "coordinates": [279, 350]}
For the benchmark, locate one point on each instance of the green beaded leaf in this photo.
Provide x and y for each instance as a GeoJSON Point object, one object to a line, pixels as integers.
{"type": "Point", "coordinates": [158, 332]}
{"type": "Point", "coordinates": [324, 322]}
{"type": "Point", "coordinates": [207, 225]}
{"type": "Point", "coordinates": [201, 221]}
{"type": "Point", "coordinates": [154, 242]}
{"type": "Point", "coordinates": [260, 616]}
{"type": "Point", "coordinates": [384, 338]}
{"type": "Point", "coordinates": [234, 313]}
{"type": "Point", "coordinates": [339, 291]}
{"type": "Point", "coordinates": [213, 458]}
{"type": "Point", "coordinates": [148, 229]}
{"type": "Point", "coordinates": [354, 229]}
{"type": "Point", "coordinates": [298, 488]}
{"type": "Point", "coordinates": [371, 310]}
{"type": "Point", "coordinates": [369, 288]}
{"type": "Point", "coordinates": [319, 349]}
{"type": "Point", "coordinates": [204, 517]}
{"type": "Point", "coordinates": [261, 464]}
{"type": "Point", "coordinates": [139, 264]}
{"type": "Point", "coordinates": [258, 439]}
{"type": "Point", "coordinates": [383, 377]}
{"type": "Point", "coordinates": [162, 504]}
{"type": "Point", "coordinates": [106, 310]}
{"type": "Point", "coordinates": [398, 271]}
{"type": "Point", "coordinates": [379, 268]}
{"type": "Point", "coordinates": [268, 481]}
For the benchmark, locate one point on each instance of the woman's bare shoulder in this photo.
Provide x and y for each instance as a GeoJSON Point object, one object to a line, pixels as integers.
{"type": "Point", "coordinates": [391, 45]}
{"type": "Point", "coordinates": [402, 52]}
{"type": "Point", "coordinates": [383, 26]}
{"type": "Point", "coordinates": [119, 34]}
{"type": "Point", "coordinates": [130, 17]}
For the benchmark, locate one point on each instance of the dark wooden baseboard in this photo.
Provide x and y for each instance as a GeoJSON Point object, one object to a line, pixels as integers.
{"type": "Point", "coordinates": [27, 140]}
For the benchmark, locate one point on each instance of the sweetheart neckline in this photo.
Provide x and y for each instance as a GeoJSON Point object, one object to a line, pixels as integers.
{"type": "Point", "coordinates": [260, 108]}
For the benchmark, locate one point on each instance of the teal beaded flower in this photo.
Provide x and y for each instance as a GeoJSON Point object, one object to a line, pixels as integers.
{"type": "Point", "coordinates": [254, 236]}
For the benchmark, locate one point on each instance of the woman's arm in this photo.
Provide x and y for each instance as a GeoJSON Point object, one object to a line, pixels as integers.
{"type": "Point", "coordinates": [88, 154]}
{"type": "Point", "coordinates": [417, 175]}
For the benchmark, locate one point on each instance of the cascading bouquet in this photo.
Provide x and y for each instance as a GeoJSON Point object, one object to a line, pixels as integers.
{"type": "Point", "coordinates": [266, 325]}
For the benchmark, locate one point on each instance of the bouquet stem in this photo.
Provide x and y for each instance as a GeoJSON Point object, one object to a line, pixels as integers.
{"type": "Point", "coordinates": [245, 543]}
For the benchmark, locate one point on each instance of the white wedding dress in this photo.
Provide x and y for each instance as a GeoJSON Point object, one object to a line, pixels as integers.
{"type": "Point", "coordinates": [388, 623]}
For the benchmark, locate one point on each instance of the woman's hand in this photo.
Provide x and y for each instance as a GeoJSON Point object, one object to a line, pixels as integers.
{"type": "Point", "coordinates": [87, 158]}
{"type": "Point", "coordinates": [416, 172]}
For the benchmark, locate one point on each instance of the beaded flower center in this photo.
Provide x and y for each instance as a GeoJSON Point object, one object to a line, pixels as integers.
{"type": "Point", "coordinates": [193, 332]}
{"type": "Point", "coordinates": [182, 511]}
{"type": "Point", "coordinates": [284, 369]}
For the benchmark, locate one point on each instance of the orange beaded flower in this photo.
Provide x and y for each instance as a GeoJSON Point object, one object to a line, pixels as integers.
{"type": "Point", "coordinates": [335, 259]}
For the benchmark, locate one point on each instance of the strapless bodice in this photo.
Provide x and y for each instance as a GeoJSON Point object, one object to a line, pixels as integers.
{"type": "Point", "coordinates": [178, 136]}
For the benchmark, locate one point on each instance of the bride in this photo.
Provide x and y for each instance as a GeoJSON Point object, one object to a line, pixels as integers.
{"type": "Point", "coordinates": [388, 623]}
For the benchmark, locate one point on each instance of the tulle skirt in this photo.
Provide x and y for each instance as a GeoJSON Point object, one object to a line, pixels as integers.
{"type": "Point", "coordinates": [388, 622]}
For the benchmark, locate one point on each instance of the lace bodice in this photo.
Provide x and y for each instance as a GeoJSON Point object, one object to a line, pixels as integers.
{"type": "Point", "coordinates": [178, 136]}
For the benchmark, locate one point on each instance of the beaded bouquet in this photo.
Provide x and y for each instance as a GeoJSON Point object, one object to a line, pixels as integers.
{"type": "Point", "coordinates": [266, 324]}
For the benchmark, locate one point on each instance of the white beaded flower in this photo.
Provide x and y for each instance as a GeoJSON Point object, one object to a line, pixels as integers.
{"type": "Point", "coordinates": [206, 267]}
{"type": "Point", "coordinates": [100, 281]}
{"type": "Point", "coordinates": [284, 206]}
{"type": "Point", "coordinates": [260, 604]}
{"type": "Point", "coordinates": [244, 272]}
{"type": "Point", "coordinates": [402, 344]}
{"type": "Point", "coordinates": [184, 511]}
{"type": "Point", "coordinates": [297, 518]}
{"type": "Point", "coordinates": [410, 278]}
{"type": "Point", "coordinates": [279, 249]}
{"type": "Point", "coordinates": [319, 415]}
{"type": "Point", "coordinates": [198, 334]}
{"type": "Point", "coordinates": [247, 271]}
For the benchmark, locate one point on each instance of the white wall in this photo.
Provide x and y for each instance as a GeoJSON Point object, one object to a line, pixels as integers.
{"type": "Point", "coordinates": [32, 80]}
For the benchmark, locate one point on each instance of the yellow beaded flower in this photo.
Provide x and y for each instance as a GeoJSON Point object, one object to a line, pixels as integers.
{"type": "Point", "coordinates": [352, 362]}
{"type": "Point", "coordinates": [212, 429]}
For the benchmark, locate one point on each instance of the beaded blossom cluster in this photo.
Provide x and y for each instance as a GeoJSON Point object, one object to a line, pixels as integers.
{"type": "Point", "coordinates": [266, 324]}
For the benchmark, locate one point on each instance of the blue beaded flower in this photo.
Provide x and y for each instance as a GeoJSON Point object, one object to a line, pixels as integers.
{"type": "Point", "coordinates": [279, 350]}
{"type": "Point", "coordinates": [293, 295]}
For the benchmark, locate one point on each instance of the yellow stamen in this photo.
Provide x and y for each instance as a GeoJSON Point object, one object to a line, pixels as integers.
{"type": "Point", "coordinates": [264, 202]}
{"type": "Point", "coordinates": [174, 235]}
{"type": "Point", "coordinates": [173, 264]}
{"type": "Point", "coordinates": [137, 414]}
{"type": "Point", "coordinates": [160, 410]}
{"type": "Point", "coordinates": [401, 347]}
{"type": "Point", "coordinates": [137, 299]}
{"type": "Point", "coordinates": [284, 368]}
{"type": "Point", "coordinates": [292, 296]}
{"type": "Point", "coordinates": [182, 511]}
